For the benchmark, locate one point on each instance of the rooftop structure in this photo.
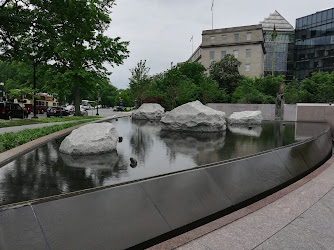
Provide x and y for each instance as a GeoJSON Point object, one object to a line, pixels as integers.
{"type": "Point", "coordinates": [278, 59]}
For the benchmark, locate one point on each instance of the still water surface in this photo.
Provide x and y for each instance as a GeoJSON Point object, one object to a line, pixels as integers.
{"type": "Point", "coordinates": [44, 171]}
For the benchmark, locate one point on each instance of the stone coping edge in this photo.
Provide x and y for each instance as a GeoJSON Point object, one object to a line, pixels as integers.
{"type": "Point", "coordinates": [10, 155]}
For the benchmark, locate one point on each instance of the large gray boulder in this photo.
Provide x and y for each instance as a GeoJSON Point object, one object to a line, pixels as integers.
{"type": "Point", "coordinates": [90, 139]}
{"type": "Point", "coordinates": [194, 116]}
{"type": "Point", "coordinates": [149, 111]}
{"type": "Point", "coordinates": [246, 117]}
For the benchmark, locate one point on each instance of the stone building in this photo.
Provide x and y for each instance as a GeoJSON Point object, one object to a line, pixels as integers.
{"type": "Point", "coordinates": [244, 42]}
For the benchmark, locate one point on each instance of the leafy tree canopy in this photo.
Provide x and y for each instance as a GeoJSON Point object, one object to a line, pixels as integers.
{"type": "Point", "coordinates": [226, 73]}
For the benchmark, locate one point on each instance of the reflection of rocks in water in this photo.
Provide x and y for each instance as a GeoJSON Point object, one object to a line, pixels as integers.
{"type": "Point", "coordinates": [192, 143]}
{"type": "Point", "coordinates": [249, 130]}
{"type": "Point", "coordinates": [147, 126]}
{"type": "Point", "coordinates": [103, 161]}
{"type": "Point", "coordinates": [142, 136]}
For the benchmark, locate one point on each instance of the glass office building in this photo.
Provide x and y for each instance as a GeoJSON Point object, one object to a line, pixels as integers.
{"type": "Point", "coordinates": [278, 59]}
{"type": "Point", "coordinates": [314, 44]}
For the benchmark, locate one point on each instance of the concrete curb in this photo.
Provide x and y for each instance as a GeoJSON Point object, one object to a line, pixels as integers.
{"type": "Point", "coordinates": [10, 155]}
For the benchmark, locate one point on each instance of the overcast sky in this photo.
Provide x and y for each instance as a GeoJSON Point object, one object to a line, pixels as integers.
{"type": "Point", "coordinates": [160, 30]}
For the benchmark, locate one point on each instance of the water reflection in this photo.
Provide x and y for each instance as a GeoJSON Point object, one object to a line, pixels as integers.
{"type": "Point", "coordinates": [192, 143]}
{"type": "Point", "coordinates": [249, 130]}
{"type": "Point", "coordinates": [44, 171]}
{"type": "Point", "coordinates": [142, 134]}
{"type": "Point", "coordinates": [103, 161]}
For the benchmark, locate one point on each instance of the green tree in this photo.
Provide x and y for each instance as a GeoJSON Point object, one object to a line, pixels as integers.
{"type": "Point", "coordinates": [193, 71]}
{"type": "Point", "coordinates": [139, 81]}
{"type": "Point", "coordinates": [268, 85]}
{"type": "Point", "coordinates": [71, 33]}
{"type": "Point", "coordinates": [292, 92]}
{"type": "Point", "coordinates": [248, 93]}
{"type": "Point", "coordinates": [82, 48]}
{"type": "Point", "coordinates": [226, 74]}
{"type": "Point", "coordinates": [126, 96]}
{"type": "Point", "coordinates": [210, 92]}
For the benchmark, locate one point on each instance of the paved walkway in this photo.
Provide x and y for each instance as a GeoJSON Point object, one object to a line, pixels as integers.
{"type": "Point", "coordinates": [300, 216]}
{"type": "Point", "coordinates": [31, 126]}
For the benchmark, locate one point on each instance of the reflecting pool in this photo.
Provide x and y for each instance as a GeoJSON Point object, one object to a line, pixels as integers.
{"type": "Point", "coordinates": [44, 171]}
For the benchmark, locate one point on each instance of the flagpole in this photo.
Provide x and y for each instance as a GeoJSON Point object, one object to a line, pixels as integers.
{"type": "Point", "coordinates": [192, 44]}
{"type": "Point", "coordinates": [212, 14]}
{"type": "Point", "coordinates": [212, 17]}
{"type": "Point", "coordinates": [273, 59]}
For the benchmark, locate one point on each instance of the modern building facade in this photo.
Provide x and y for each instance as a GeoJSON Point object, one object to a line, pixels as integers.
{"type": "Point", "coordinates": [244, 42]}
{"type": "Point", "coordinates": [278, 59]}
{"type": "Point", "coordinates": [314, 44]}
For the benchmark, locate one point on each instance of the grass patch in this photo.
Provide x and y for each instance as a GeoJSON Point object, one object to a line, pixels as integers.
{"type": "Point", "coordinates": [13, 123]}
{"type": "Point", "coordinates": [12, 140]}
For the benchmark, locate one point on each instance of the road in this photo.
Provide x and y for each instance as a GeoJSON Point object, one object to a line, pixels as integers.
{"type": "Point", "coordinates": [104, 112]}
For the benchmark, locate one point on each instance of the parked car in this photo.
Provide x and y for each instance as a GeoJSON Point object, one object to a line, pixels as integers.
{"type": "Point", "coordinates": [70, 108]}
{"type": "Point", "coordinates": [57, 111]}
{"type": "Point", "coordinates": [119, 108]}
{"type": "Point", "coordinates": [9, 110]}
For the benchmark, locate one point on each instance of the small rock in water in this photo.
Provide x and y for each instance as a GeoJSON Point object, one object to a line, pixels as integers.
{"type": "Point", "coordinates": [120, 139]}
{"type": "Point", "coordinates": [249, 127]}
{"type": "Point", "coordinates": [133, 163]}
{"type": "Point", "coordinates": [116, 119]}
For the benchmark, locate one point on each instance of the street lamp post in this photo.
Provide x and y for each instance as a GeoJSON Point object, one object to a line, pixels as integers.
{"type": "Point", "coordinates": [34, 100]}
{"type": "Point", "coordinates": [2, 88]}
{"type": "Point", "coordinates": [98, 98]}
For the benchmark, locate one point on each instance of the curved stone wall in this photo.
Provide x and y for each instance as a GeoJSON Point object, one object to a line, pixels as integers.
{"type": "Point", "coordinates": [124, 216]}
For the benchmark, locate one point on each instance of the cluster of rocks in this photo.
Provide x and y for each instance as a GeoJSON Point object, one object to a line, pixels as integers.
{"type": "Point", "coordinates": [194, 116]}
{"type": "Point", "coordinates": [100, 138]}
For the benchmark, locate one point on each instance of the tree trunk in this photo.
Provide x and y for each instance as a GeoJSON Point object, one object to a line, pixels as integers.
{"type": "Point", "coordinates": [77, 99]}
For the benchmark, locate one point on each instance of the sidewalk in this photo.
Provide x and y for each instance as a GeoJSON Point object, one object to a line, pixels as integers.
{"type": "Point", "coordinates": [301, 216]}
{"type": "Point", "coordinates": [31, 126]}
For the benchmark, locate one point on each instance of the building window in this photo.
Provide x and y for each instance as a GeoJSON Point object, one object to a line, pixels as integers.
{"type": "Point", "coordinates": [249, 36]}
{"type": "Point", "coordinates": [236, 53]}
{"type": "Point", "coordinates": [248, 68]}
{"type": "Point", "coordinates": [212, 55]}
{"type": "Point", "coordinates": [248, 52]}
{"type": "Point", "coordinates": [223, 53]}
{"type": "Point", "coordinates": [212, 40]}
{"type": "Point", "coordinates": [236, 37]}
{"type": "Point", "coordinates": [224, 38]}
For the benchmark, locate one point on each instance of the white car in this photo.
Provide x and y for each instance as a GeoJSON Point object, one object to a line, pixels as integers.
{"type": "Point", "coordinates": [70, 108]}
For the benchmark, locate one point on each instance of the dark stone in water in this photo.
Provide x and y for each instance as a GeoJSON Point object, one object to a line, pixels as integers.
{"type": "Point", "coordinates": [120, 139]}
{"type": "Point", "coordinates": [133, 163]}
